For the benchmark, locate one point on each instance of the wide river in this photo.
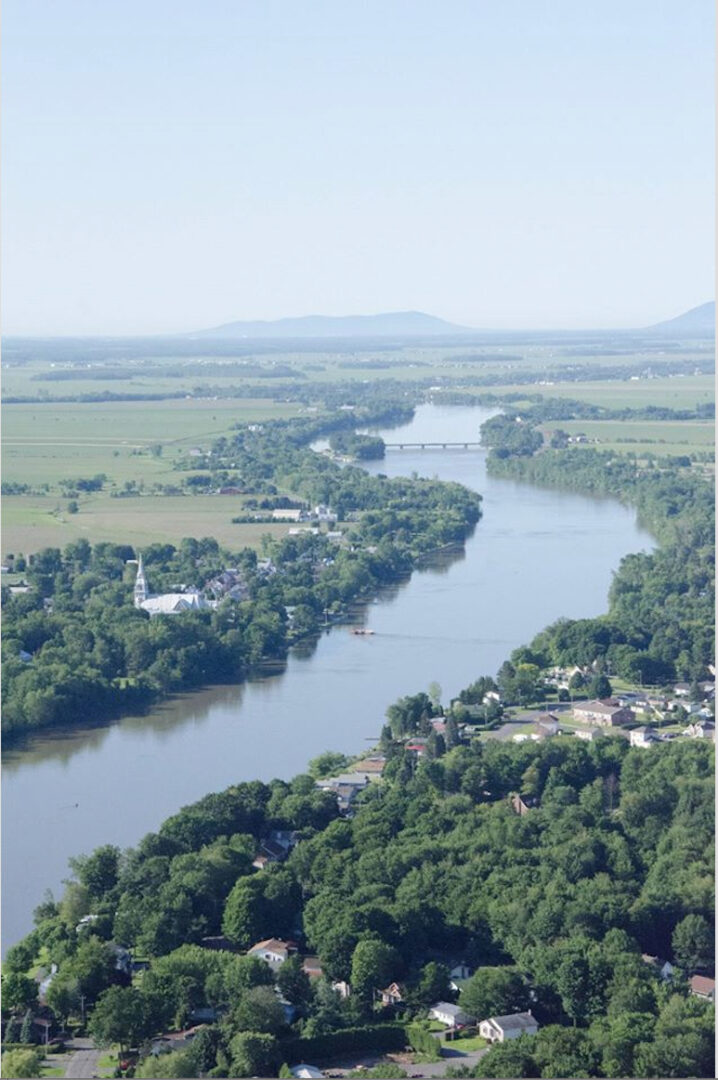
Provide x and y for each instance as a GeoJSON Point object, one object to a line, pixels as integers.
{"type": "Point", "coordinates": [534, 556]}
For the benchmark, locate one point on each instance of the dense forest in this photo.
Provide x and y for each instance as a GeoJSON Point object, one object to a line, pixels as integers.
{"type": "Point", "coordinates": [552, 910]}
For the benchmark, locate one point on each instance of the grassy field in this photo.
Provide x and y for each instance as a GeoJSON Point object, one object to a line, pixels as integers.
{"type": "Point", "coordinates": [33, 522]}
{"type": "Point", "coordinates": [656, 438]}
{"type": "Point", "coordinates": [48, 443]}
{"type": "Point", "coordinates": [673, 392]}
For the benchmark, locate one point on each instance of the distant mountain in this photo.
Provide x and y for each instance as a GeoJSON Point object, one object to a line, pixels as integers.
{"type": "Point", "coordinates": [392, 324]}
{"type": "Point", "coordinates": [698, 322]}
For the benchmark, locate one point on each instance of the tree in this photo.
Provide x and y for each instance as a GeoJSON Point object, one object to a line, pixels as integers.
{"type": "Point", "coordinates": [374, 965]}
{"type": "Point", "coordinates": [510, 1059]}
{"type": "Point", "coordinates": [433, 984]}
{"type": "Point", "coordinates": [600, 687]}
{"type": "Point", "coordinates": [28, 1031]}
{"type": "Point", "coordinates": [564, 1052]}
{"type": "Point", "coordinates": [293, 982]}
{"type": "Point", "coordinates": [98, 871]}
{"type": "Point", "coordinates": [118, 1017]}
{"type": "Point", "coordinates": [21, 1063]}
{"type": "Point", "coordinates": [167, 1066]}
{"type": "Point", "coordinates": [253, 1054]}
{"type": "Point", "coordinates": [494, 991]}
{"type": "Point", "coordinates": [63, 997]}
{"type": "Point", "coordinates": [18, 991]}
{"type": "Point", "coordinates": [260, 1010]}
{"type": "Point", "coordinates": [693, 943]}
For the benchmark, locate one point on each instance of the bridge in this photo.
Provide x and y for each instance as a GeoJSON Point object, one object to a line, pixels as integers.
{"type": "Point", "coordinates": [432, 445]}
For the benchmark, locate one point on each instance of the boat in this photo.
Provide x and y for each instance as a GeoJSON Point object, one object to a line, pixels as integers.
{"type": "Point", "coordinates": [361, 631]}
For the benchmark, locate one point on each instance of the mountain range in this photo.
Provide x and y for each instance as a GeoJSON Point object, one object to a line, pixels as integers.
{"type": "Point", "coordinates": [699, 322]}
{"type": "Point", "coordinates": [390, 324]}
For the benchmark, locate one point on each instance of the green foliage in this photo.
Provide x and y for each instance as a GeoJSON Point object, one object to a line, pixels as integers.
{"type": "Point", "coordinates": [693, 943]}
{"type": "Point", "coordinates": [374, 964]}
{"type": "Point", "coordinates": [18, 991]}
{"type": "Point", "coordinates": [254, 1054]}
{"type": "Point", "coordinates": [119, 1016]}
{"type": "Point", "coordinates": [494, 991]}
{"type": "Point", "coordinates": [21, 1063]}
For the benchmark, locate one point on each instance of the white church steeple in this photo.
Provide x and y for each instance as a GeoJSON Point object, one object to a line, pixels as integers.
{"type": "Point", "coordinates": [141, 588]}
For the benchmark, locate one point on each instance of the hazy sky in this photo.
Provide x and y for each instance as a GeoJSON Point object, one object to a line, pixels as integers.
{"type": "Point", "coordinates": [174, 164]}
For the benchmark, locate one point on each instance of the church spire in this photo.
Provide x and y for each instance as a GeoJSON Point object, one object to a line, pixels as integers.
{"type": "Point", "coordinates": [141, 588]}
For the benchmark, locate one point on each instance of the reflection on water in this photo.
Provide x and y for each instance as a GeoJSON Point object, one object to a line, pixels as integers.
{"type": "Point", "coordinates": [535, 555]}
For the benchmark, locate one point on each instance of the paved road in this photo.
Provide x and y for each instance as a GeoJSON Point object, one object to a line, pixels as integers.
{"type": "Point", "coordinates": [84, 1059]}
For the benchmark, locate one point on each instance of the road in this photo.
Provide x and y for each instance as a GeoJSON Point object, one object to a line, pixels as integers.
{"type": "Point", "coordinates": [84, 1059]}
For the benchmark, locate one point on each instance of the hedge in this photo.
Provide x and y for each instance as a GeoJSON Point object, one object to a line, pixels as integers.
{"type": "Point", "coordinates": [370, 1037]}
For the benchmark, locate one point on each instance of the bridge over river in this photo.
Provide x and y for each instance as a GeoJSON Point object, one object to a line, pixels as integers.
{"type": "Point", "coordinates": [432, 445]}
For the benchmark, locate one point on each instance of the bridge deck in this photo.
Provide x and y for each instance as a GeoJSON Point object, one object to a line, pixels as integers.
{"type": "Point", "coordinates": [433, 446]}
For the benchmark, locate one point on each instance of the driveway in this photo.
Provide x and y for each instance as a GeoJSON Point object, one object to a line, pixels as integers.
{"type": "Point", "coordinates": [84, 1059]}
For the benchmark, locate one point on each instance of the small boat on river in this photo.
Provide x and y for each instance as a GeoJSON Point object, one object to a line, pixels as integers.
{"type": "Point", "coordinates": [361, 631]}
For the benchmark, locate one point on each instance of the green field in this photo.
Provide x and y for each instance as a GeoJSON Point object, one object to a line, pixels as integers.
{"type": "Point", "coordinates": [672, 392]}
{"type": "Point", "coordinates": [47, 443]}
{"type": "Point", "coordinates": [656, 438]}
{"type": "Point", "coordinates": [31, 522]}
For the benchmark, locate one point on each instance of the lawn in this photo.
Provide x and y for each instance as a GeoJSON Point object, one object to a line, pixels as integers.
{"type": "Point", "coordinates": [471, 1042]}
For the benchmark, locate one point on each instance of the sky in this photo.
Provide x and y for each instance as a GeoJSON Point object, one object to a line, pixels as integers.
{"type": "Point", "coordinates": [176, 164]}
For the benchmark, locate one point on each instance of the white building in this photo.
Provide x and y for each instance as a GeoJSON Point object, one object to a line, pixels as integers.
{"type": "Point", "coordinates": [643, 737]}
{"type": "Point", "coordinates": [168, 603]}
{"type": "Point", "coordinates": [452, 1016]}
{"type": "Point", "coordinates": [501, 1028]}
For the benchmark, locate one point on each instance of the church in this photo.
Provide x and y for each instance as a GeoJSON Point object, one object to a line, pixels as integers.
{"type": "Point", "coordinates": [167, 603]}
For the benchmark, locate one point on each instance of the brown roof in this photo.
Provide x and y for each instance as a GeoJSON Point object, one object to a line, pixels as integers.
{"type": "Point", "coordinates": [274, 945]}
{"type": "Point", "coordinates": [700, 984]}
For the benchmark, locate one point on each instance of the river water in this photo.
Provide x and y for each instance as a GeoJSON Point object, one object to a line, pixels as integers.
{"type": "Point", "coordinates": [534, 556]}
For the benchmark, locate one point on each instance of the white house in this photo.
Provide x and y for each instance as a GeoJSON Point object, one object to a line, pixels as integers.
{"type": "Point", "coordinates": [306, 1071]}
{"type": "Point", "coordinates": [643, 737]}
{"type": "Point", "coordinates": [452, 1016]}
{"type": "Point", "coordinates": [273, 951]}
{"type": "Point", "coordinates": [501, 1028]}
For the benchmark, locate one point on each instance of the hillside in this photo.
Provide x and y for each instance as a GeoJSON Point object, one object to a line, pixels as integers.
{"type": "Point", "coordinates": [698, 322]}
{"type": "Point", "coordinates": [390, 324]}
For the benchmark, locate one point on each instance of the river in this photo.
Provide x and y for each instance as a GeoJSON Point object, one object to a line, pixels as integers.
{"type": "Point", "coordinates": [535, 555]}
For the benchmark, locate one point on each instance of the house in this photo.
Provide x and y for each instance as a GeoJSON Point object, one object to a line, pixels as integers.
{"type": "Point", "coordinates": [273, 951]}
{"type": "Point", "coordinates": [501, 1028]}
{"type": "Point", "coordinates": [664, 967]}
{"type": "Point", "coordinates": [460, 970]}
{"type": "Point", "coordinates": [311, 965]}
{"type": "Point", "coordinates": [306, 1071]}
{"type": "Point", "coordinates": [703, 987]}
{"type": "Point", "coordinates": [588, 734]}
{"type": "Point", "coordinates": [452, 1016]}
{"type": "Point", "coordinates": [521, 804]}
{"type": "Point", "coordinates": [605, 713]}
{"type": "Point", "coordinates": [374, 765]}
{"type": "Point", "coordinates": [643, 737]}
{"type": "Point", "coordinates": [682, 689]}
{"type": "Point", "coordinates": [416, 746]}
{"type": "Point", "coordinates": [342, 988]}
{"type": "Point", "coordinates": [704, 729]}
{"type": "Point", "coordinates": [392, 995]}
